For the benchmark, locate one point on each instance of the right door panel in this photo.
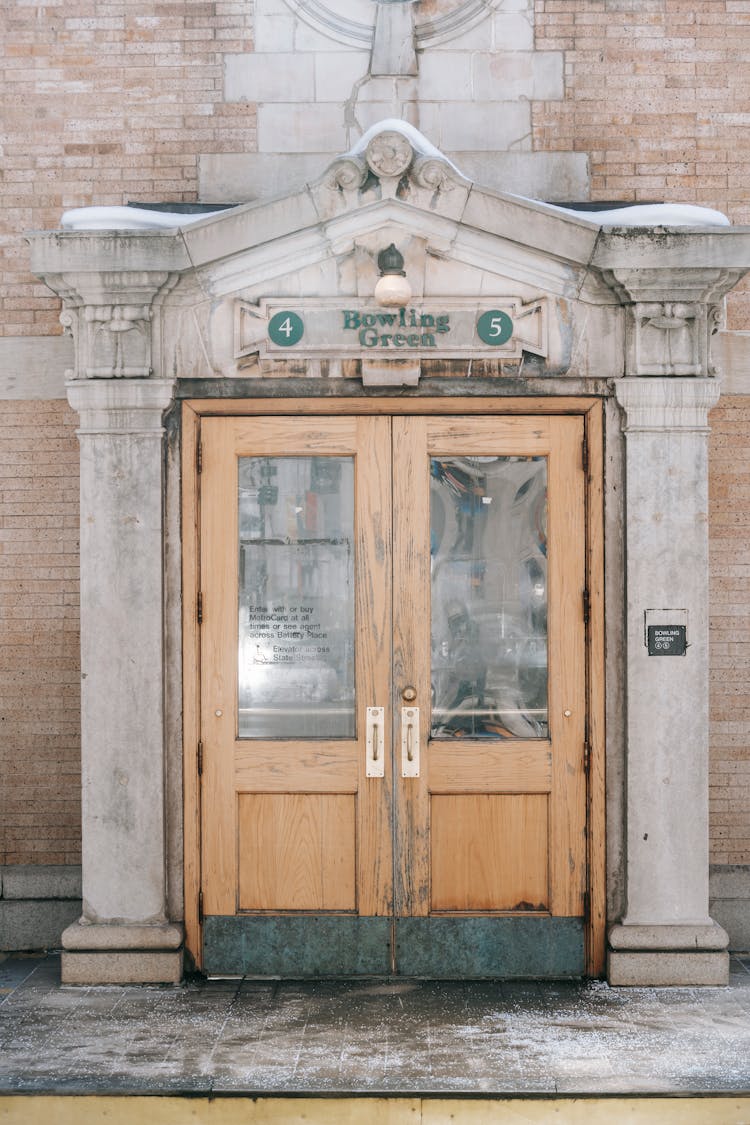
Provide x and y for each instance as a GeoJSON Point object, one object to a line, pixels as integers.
{"type": "Point", "coordinates": [489, 653]}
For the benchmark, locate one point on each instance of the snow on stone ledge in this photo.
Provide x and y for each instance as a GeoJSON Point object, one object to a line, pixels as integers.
{"type": "Point", "coordinates": [128, 218]}
{"type": "Point", "coordinates": [645, 215]}
{"type": "Point", "coordinates": [650, 215]}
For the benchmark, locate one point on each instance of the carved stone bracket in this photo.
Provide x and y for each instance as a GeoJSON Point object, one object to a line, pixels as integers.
{"type": "Point", "coordinates": [672, 317]}
{"type": "Point", "coordinates": [114, 321]}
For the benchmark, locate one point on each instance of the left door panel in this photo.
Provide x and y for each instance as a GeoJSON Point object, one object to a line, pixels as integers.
{"type": "Point", "coordinates": [295, 648]}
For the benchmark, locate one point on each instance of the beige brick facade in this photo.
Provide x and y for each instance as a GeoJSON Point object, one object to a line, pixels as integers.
{"type": "Point", "coordinates": [40, 784]}
{"type": "Point", "coordinates": [656, 94]}
{"type": "Point", "coordinates": [729, 525]}
{"type": "Point", "coordinates": [106, 102]}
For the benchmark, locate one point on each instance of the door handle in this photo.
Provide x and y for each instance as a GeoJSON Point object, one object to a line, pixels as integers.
{"type": "Point", "coordinates": [410, 742]}
{"type": "Point", "coordinates": [375, 742]}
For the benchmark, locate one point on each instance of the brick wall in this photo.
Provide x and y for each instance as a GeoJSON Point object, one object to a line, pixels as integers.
{"type": "Point", "coordinates": [729, 524]}
{"type": "Point", "coordinates": [656, 93]}
{"type": "Point", "coordinates": [105, 102]}
{"type": "Point", "coordinates": [40, 781]}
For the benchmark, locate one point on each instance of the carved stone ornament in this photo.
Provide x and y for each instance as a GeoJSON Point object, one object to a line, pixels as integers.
{"type": "Point", "coordinates": [392, 164]}
{"type": "Point", "coordinates": [667, 342]}
{"type": "Point", "coordinates": [672, 317]}
{"type": "Point", "coordinates": [112, 319]}
{"type": "Point", "coordinates": [389, 154]}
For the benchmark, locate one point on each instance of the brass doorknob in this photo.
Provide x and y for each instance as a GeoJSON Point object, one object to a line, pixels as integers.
{"type": "Point", "coordinates": [409, 694]}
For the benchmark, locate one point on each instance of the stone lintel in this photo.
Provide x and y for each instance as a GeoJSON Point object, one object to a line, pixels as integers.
{"type": "Point", "coordinates": [116, 967]}
{"type": "Point", "coordinates": [667, 969]}
{"type": "Point", "coordinates": [702, 937]}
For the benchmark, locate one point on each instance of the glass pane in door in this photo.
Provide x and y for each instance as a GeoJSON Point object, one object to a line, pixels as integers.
{"type": "Point", "coordinates": [488, 545]}
{"type": "Point", "coordinates": [296, 597]}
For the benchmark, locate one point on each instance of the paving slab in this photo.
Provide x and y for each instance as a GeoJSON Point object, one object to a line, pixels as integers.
{"type": "Point", "coordinates": [376, 1037]}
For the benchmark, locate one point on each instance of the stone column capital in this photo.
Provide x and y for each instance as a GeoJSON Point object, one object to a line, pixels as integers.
{"type": "Point", "coordinates": [672, 317]}
{"type": "Point", "coordinates": [113, 317]}
{"type": "Point", "coordinates": [654, 405]}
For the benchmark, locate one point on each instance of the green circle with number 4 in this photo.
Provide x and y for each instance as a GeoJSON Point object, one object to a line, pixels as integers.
{"type": "Point", "coordinates": [286, 329]}
{"type": "Point", "coordinates": [495, 327]}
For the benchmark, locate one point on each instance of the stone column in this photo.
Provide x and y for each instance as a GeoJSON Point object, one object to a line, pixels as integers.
{"type": "Point", "coordinates": [124, 934]}
{"type": "Point", "coordinates": [666, 936]}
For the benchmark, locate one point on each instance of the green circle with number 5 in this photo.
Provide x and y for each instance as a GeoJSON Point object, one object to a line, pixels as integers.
{"type": "Point", "coordinates": [495, 327]}
{"type": "Point", "coordinates": [286, 329]}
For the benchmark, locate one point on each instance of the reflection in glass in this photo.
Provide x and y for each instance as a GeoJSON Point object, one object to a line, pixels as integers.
{"type": "Point", "coordinates": [488, 530]}
{"type": "Point", "coordinates": [296, 597]}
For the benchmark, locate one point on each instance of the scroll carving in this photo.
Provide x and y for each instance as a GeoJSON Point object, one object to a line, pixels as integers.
{"type": "Point", "coordinates": [347, 174]}
{"type": "Point", "coordinates": [432, 173]}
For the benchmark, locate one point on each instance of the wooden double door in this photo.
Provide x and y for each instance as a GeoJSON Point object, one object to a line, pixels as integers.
{"type": "Point", "coordinates": [392, 695]}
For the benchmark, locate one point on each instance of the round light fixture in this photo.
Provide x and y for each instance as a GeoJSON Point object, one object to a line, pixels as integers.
{"type": "Point", "coordinates": [392, 290]}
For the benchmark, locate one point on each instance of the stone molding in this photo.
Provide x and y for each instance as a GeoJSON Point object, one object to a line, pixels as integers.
{"type": "Point", "coordinates": [86, 936]}
{"type": "Point", "coordinates": [329, 18]}
{"type": "Point", "coordinates": [705, 937]}
{"type": "Point", "coordinates": [654, 405]}
{"type": "Point", "coordinates": [126, 407]}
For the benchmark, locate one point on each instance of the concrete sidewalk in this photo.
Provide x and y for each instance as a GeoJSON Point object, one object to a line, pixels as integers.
{"type": "Point", "coordinates": [376, 1037]}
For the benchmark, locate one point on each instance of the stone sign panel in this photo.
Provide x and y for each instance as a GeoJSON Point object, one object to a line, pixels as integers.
{"type": "Point", "coordinates": [350, 328]}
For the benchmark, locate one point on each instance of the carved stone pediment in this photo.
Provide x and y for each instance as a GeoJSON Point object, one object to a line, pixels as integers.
{"type": "Point", "coordinates": [143, 303]}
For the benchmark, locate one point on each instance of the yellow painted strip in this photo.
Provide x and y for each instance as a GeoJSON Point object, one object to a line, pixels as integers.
{"type": "Point", "coordinates": [35, 1109]}
{"type": "Point", "coordinates": [589, 1111]}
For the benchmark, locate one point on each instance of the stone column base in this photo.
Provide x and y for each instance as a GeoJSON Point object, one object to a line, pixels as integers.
{"type": "Point", "coordinates": [653, 970]}
{"type": "Point", "coordinates": [654, 956]}
{"type": "Point", "coordinates": [119, 954]}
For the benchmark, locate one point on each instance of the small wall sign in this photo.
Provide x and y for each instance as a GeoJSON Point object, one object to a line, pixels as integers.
{"type": "Point", "coordinates": [667, 640]}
